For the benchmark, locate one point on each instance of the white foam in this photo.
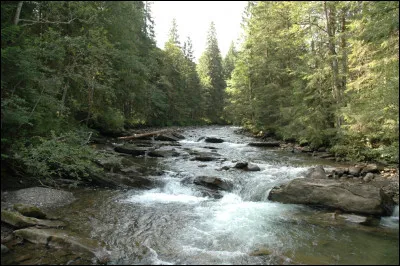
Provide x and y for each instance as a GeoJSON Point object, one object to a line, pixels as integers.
{"type": "Point", "coordinates": [165, 198]}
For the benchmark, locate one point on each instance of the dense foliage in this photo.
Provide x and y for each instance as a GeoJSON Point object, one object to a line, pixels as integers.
{"type": "Point", "coordinates": [321, 73]}
{"type": "Point", "coordinates": [86, 66]}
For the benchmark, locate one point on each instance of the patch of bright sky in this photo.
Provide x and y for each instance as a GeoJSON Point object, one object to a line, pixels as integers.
{"type": "Point", "coordinates": [194, 18]}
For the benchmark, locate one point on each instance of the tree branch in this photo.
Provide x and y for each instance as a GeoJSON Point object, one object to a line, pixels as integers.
{"type": "Point", "coordinates": [46, 22]}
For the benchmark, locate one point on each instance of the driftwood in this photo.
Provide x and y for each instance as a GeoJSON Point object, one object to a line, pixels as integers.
{"type": "Point", "coordinates": [149, 134]}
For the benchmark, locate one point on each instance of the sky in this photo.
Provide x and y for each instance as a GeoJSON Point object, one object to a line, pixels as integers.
{"type": "Point", "coordinates": [193, 19]}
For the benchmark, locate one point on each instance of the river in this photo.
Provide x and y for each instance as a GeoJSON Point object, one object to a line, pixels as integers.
{"type": "Point", "coordinates": [173, 223]}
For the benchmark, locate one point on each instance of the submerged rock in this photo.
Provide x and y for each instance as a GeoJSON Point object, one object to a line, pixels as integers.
{"type": "Point", "coordinates": [346, 196]}
{"type": "Point", "coordinates": [261, 252]}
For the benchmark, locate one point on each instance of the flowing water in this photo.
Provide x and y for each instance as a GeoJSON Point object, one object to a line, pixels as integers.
{"type": "Point", "coordinates": [173, 223]}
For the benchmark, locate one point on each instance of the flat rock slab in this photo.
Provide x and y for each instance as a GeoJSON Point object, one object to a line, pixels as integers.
{"type": "Point", "coordinates": [346, 196]}
{"type": "Point", "coordinates": [17, 220]}
{"type": "Point", "coordinates": [131, 149]}
{"type": "Point", "coordinates": [62, 239]}
{"type": "Point", "coordinates": [37, 196]}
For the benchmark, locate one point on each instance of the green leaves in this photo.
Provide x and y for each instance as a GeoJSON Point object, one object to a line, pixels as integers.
{"type": "Point", "coordinates": [61, 156]}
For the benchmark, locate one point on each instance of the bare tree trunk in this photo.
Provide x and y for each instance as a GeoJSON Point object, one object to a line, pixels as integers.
{"type": "Point", "coordinates": [18, 13]}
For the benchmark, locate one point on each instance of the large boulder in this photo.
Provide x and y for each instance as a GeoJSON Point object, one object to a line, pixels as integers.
{"type": "Point", "coordinates": [346, 196]}
{"type": "Point", "coordinates": [37, 196]}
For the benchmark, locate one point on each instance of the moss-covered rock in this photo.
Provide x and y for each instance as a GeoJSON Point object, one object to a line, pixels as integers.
{"type": "Point", "coordinates": [17, 220]}
{"type": "Point", "coordinates": [29, 210]}
{"type": "Point", "coordinates": [65, 240]}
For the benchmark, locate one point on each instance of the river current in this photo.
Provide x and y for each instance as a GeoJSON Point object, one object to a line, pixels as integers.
{"type": "Point", "coordinates": [173, 223]}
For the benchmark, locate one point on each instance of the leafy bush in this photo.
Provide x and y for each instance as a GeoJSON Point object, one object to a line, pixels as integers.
{"type": "Point", "coordinates": [111, 120]}
{"type": "Point", "coordinates": [63, 156]}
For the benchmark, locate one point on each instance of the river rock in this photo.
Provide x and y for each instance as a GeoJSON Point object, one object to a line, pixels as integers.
{"type": "Point", "coordinates": [241, 165]}
{"type": "Point", "coordinates": [368, 177]}
{"type": "Point", "coordinates": [213, 140]}
{"type": "Point", "coordinates": [316, 173]}
{"type": "Point", "coordinates": [252, 167]}
{"type": "Point", "coordinates": [261, 252]}
{"type": "Point", "coordinates": [213, 182]}
{"type": "Point", "coordinates": [62, 239]}
{"type": "Point", "coordinates": [177, 135]}
{"type": "Point", "coordinates": [38, 196]}
{"type": "Point", "coordinates": [166, 137]}
{"type": "Point", "coordinates": [370, 168]}
{"type": "Point", "coordinates": [341, 171]}
{"type": "Point", "coordinates": [204, 158]}
{"type": "Point", "coordinates": [110, 163]}
{"type": "Point", "coordinates": [346, 196]}
{"type": "Point", "coordinates": [131, 149]}
{"type": "Point", "coordinates": [29, 210]}
{"type": "Point", "coordinates": [115, 180]}
{"type": "Point", "coordinates": [163, 153]}
{"type": "Point", "coordinates": [390, 192]}
{"type": "Point", "coordinates": [264, 144]}
{"type": "Point", "coordinates": [17, 220]}
{"type": "Point", "coordinates": [355, 170]}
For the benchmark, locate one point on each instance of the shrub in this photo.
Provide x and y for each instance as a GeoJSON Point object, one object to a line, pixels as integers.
{"type": "Point", "coordinates": [63, 156]}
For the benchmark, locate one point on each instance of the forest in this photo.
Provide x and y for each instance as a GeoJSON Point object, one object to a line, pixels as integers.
{"type": "Point", "coordinates": [323, 74]}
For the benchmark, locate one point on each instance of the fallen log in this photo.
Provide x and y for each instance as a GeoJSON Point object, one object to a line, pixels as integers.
{"type": "Point", "coordinates": [149, 134]}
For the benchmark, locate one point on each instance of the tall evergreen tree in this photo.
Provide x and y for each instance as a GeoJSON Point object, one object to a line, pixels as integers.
{"type": "Point", "coordinates": [173, 35]}
{"type": "Point", "coordinates": [211, 76]}
{"type": "Point", "coordinates": [229, 61]}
